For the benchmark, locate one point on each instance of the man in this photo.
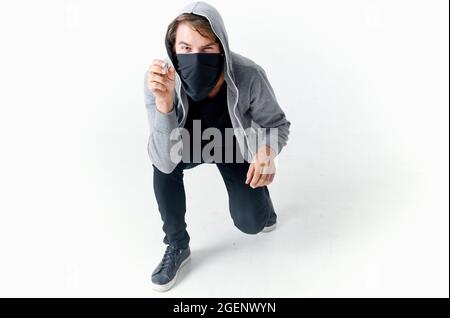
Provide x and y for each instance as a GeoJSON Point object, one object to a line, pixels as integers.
{"type": "Point", "coordinates": [207, 89]}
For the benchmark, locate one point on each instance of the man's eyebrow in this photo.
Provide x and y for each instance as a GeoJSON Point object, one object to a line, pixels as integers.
{"type": "Point", "coordinates": [209, 44]}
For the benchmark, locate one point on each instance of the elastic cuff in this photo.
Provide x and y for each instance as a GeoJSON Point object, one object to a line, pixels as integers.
{"type": "Point", "coordinates": [165, 122]}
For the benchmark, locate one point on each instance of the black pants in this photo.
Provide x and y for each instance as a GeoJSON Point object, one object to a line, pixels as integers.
{"type": "Point", "coordinates": [250, 208]}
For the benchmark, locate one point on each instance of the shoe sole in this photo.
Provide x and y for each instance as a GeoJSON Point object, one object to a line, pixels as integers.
{"type": "Point", "coordinates": [169, 285]}
{"type": "Point", "coordinates": [269, 228]}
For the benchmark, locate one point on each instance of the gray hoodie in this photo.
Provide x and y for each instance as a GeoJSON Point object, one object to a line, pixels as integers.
{"type": "Point", "coordinates": [252, 104]}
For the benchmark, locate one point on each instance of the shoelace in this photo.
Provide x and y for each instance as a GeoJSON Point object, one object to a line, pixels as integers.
{"type": "Point", "coordinates": [168, 257]}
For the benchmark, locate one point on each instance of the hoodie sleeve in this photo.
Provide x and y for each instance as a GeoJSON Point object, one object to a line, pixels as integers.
{"type": "Point", "coordinates": [267, 113]}
{"type": "Point", "coordinates": [161, 126]}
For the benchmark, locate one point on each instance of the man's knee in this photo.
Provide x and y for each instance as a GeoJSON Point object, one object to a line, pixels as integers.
{"type": "Point", "coordinates": [249, 223]}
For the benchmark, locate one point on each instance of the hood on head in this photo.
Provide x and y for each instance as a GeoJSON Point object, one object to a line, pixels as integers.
{"type": "Point", "coordinates": [215, 20]}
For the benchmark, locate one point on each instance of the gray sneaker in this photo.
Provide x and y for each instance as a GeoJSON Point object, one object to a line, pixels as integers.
{"type": "Point", "coordinates": [270, 226]}
{"type": "Point", "coordinates": [165, 274]}
{"type": "Point", "coordinates": [271, 223]}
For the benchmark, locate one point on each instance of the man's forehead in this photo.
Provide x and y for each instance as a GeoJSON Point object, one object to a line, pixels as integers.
{"type": "Point", "coordinates": [189, 36]}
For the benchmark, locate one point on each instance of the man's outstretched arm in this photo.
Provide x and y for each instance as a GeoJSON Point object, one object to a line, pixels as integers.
{"type": "Point", "coordinates": [267, 113]}
{"type": "Point", "coordinates": [159, 85]}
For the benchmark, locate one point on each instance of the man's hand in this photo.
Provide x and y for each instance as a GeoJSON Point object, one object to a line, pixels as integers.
{"type": "Point", "coordinates": [262, 169]}
{"type": "Point", "coordinates": [161, 82]}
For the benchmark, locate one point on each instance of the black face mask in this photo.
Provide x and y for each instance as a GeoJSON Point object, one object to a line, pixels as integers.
{"type": "Point", "coordinates": [199, 72]}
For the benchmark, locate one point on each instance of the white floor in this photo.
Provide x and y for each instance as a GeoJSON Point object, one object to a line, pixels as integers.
{"type": "Point", "coordinates": [339, 234]}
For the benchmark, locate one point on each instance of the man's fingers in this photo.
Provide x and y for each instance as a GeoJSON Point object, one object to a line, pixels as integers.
{"type": "Point", "coordinates": [255, 179]}
{"type": "Point", "coordinates": [157, 78]}
{"type": "Point", "coordinates": [171, 74]}
{"type": "Point", "coordinates": [250, 172]}
{"type": "Point", "coordinates": [258, 178]}
{"type": "Point", "coordinates": [159, 62]}
{"type": "Point", "coordinates": [157, 69]}
{"type": "Point", "coordinates": [161, 75]}
{"type": "Point", "coordinates": [269, 179]}
{"type": "Point", "coordinates": [260, 181]}
{"type": "Point", "coordinates": [157, 86]}
{"type": "Point", "coordinates": [263, 180]}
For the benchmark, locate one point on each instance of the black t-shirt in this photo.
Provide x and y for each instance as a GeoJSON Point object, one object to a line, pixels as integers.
{"type": "Point", "coordinates": [211, 112]}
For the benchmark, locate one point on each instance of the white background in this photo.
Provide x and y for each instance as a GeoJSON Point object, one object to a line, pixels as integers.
{"type": "Point", "coordinates": [361, 190]}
